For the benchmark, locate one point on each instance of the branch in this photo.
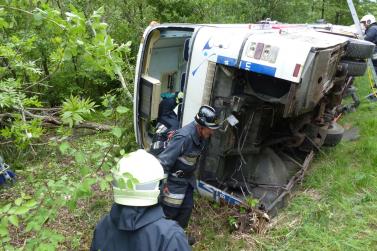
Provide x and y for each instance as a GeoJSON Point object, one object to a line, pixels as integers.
{"type": "Point", "coordinates": [6, 142]}
{"type": "Point", "coordinates": [5, 115]}
{"type": "Point", "coordinates": [121, 78]}
{"type": "Point", "coordinates": [30, 13]}
{"type": "Point", "coordinates": [48, 119]}
{"type": "Point", "coordinates": [124, 85]}
{"type": "Point", "coordinates": [55, 121]}
{"type": "Point", "coordinates": [52, 109]}
{"type": "Point", "coordinates": [39, 82]}
{"type": "Point", "coordinates": [94, 126]}
{"type": "Point", "coordinates": [26, 131]}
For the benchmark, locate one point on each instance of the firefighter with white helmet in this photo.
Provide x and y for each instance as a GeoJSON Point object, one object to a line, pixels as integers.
{"type": "Point", "coordinates": [136, 220]}
{"type": "Point", "coordinates": [369, 21]}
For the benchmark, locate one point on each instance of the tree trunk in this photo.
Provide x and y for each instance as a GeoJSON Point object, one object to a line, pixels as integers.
{"type": "Point", "coordinates": [44, 63]}
{"type": "Point", "coordinates": [55, 121]}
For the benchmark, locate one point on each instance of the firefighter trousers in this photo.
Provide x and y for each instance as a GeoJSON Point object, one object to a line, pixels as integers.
{"type": "Point", "coordinates": [181, 214]}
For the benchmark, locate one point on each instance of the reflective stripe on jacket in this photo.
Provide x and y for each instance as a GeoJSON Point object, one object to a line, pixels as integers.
{"type": "Point", "coordinates": [182, 153]}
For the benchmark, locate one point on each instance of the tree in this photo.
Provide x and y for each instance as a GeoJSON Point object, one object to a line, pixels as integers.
{"type": "Point", "coordinates": [47, 55]}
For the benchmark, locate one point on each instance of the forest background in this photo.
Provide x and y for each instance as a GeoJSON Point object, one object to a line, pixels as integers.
{"type": "Point", "coordinates": [66, 71]}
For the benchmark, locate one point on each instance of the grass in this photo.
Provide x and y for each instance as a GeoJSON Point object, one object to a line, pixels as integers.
{"type": "Point", "coordinates": [336, 206]}
{"type": "Point", "coordinates": [334, 209]}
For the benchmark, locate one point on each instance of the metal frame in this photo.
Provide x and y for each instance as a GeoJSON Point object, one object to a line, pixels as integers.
{"type": "Point", "coordinates": [358, 27]}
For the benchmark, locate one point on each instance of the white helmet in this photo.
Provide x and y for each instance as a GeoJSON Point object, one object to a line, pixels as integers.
{"type": "Point", "coordinates": [368, 19]}
{"type": "Point", "coordinates": [136, 180]}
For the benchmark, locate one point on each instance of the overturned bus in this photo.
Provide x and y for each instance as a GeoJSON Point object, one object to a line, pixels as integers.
{"type": "Point", "coordinates": [280, 84]}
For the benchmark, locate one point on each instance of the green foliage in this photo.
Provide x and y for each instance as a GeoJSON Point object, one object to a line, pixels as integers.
{"type": "Point", "coordinates": [23, 132]}
{"type": "Point", "coordinates": [251, 202]}
{"type": "Point", "coordinates": [75, 109]}
{"type": "Point", "coordinates": [48, 54]}
{"type": "Point", "coordinates": [233, 222]}
{"type": "Point", "coordinates": [127, 181]}
{"type": "Point", "coordinates": [54, 194]}
{"type": "Point", "coordinates": [32, 212]}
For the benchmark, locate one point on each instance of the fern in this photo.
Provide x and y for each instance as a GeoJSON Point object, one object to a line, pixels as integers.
{"type": "Point", "coordinates": [75, 110]}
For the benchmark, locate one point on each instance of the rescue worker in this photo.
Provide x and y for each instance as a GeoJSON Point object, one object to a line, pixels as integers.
{"type": "Point", "coordinates": [179, 160]}
{"type": "Point", "coordinates": [369, 21]}
{"type": "Point", "coordinates": [136, 220]}
{"type": "Point", "coordinates": [169, 111]}
{"type": "Point", "coordinates": [169, 115]}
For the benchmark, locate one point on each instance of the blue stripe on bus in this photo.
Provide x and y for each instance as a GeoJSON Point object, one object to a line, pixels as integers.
{"type": "Point", "coordinates": [226, 60]}
{"type": "Point", "coordinates": [263, 69]}
{"type": "Point", "coordinates": [218, 194]}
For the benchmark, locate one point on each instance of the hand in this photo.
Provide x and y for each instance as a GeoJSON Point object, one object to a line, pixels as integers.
{"type": "Point", "coordinates": [165, 189]}
{"type": "Point", "coordinates": [170, 134]}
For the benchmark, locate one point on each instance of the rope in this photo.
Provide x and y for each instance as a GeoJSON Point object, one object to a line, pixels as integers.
{"type": "Point", "coordinates": [371, 83]}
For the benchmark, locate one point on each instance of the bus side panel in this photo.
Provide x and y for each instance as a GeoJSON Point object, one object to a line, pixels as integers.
{"type": "Point", "coordinates": [196, 75]}
{"type": "Point", "coordinates": [218, 45]}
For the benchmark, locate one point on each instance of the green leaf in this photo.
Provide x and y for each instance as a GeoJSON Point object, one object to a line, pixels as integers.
{"type": "Point", "coordinates": [130, 184]}
{"type": "Point", "coordinates": [12, 210]}
{"type": "Point", "coordinates": [21, 210]}
{"type": "Point", "coordinates": [117, 132]}
{"type": "Point", "coordinates": [18, 201]}
{"type": "Point", "coordinates": [6, 208]}
{"type": "Point", "coordinates": [95, 156]}
{"type": "Point", "coordinates": [64, 147]}
{"type": "Point", "coordinates": [79, 157]}
{"type": "Point", "coordinates": [4, 227]}
{"type": "Point", "coordinates": [3, 231]}
{"type": "Point", "coordinates": [3, 23]}
{"type": "Point", "coordinates": [84, 170]}
{"type": "Point", "coordinates": [122, 152]}
{"type": "Point", "coordinates": [101, 143]}
{"type": "Point", "coordinates": [30, 204]}
{"type": "Point", "coordinates": [127, 175]}
{"type": "Point", "coordinates": [72, 204]}
{"type": "Point", "coordinates": [87, 183]}
{"type": "Point", "coordinates": [25, 196]}
{"type": "Point", "coordinates": [38, 18]}
{"type": "Point", "coordinates": [104, 185]}
{"type": "Point", "coordinates": [14, 220]}
{"type": "Point", "coordinates": [121, 183]}
{"type": "Point", "coordinates": [107, 113]}
{"type": "Point", "coordinates": [122, 109]}
{"type": "Point", "coordinates": [32, 225]}
{"type": "Point", "coordinates": [109, 178]}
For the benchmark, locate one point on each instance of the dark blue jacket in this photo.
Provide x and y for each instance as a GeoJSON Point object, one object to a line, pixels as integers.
{"type": "Point", "coordinates": [371, 33]}
{"type": "Point", "coordinates": [138, 229]}
{"type": "Point", "coordinates": [181, 154]}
